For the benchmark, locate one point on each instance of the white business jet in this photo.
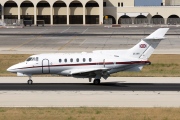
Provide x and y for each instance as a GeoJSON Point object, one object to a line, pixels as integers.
{"type": "Point", "coordinates": [98, 64]}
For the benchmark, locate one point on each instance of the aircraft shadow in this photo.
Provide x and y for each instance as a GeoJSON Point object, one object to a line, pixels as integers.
{"type": "Point", "coordinates": [108, 86]}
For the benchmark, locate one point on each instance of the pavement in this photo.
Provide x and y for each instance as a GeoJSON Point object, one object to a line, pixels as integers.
{"type": "Point", "coordinates": [50, 92]}
{"type": "Point", "coordinates": [65, 39]}
{"type": "Point", "coordinates": [85, 29]}
{"type": "Point", "coordinates": [73, 84]}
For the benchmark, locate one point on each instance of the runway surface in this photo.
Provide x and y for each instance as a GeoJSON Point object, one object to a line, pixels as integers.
{"type": "Point", "coordinates": [109, 86]}
{"type": "Point", "coordinates": [89, 99]}
{"type": "Point", "coordinates": [85, 30]}
{"type": "Point", "coordinates": [73, 84]}
{"type": "Point", "coordinates": [71, 92]}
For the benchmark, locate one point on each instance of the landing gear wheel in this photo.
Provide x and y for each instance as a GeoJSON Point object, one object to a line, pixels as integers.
{"type": "Point", "coordinates": [30, 82]}
{"type": "Point", "coordinates": [96, 81]}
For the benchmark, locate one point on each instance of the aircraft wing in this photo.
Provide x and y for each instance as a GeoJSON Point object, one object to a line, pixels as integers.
{"type": "Point", "coordinates": [90, 72]}
{"type": "Point", "coordinates": [76, 71]}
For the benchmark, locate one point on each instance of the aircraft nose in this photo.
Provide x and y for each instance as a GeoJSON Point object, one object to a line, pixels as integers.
{"type": "Point", "coordinates": [11, 69]}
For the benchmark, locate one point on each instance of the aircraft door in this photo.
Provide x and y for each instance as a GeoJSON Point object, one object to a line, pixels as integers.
{"type": "Point", "coordinates": [45, 66]}
{"type": "Point", "coordinates": [104, 63]}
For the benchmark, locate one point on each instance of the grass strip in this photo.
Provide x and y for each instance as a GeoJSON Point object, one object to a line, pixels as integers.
{"type": "Point", "coordinates": [85, 113]}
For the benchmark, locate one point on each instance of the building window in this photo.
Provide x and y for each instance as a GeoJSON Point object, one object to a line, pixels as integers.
{"type": "Point", "coordinates": [84, 60]}
{"type": "Point", "coordinates": [118, 4]}
{"type": "Point", "coordinates": [60, 60]}
{"type": "Point", "coordinates": [77, 60]}
{"type": "Point", "coordinates": [90, 59]}
{"type": "Point", "coordinates": [65, 60]}
{"type": "Point", "coordinates": [71, 60]}
{"type": "Point", "coordinates": [104, 4]}
{"type": "Point", "coordinates": [122, 4]}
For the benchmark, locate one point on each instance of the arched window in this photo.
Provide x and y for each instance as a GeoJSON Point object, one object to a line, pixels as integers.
{"type": "Point", "coordinates": [157, 19]}
{"type": "Point", "coordinates": [109, 19]}
{"type": "Point", "coordinates": [125, 20]}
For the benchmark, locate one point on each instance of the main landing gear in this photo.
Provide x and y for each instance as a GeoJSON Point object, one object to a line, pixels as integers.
{"type": "Point", "coordinates": [29, 82]}
{"type": "Point", "coordinates": [97, 81]}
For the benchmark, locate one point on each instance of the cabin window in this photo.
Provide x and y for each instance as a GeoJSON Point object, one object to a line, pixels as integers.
{"type": "Point", "coordinates": [29, 59]}
{"type": "Point", "coordinates": [71, 60]}
{"type": "Point", "coordinates": [36, 58]}
{"type": "Point", "coordinates": [65, 60]}
{"type": "Point", "coordinates": [60, 60]}
{"type": "Point", "coordinates": [77, 60]}
{"type": "Point", "coordinates": [84, 60]}
{"type": "Point", "coordinates": [90, 59]}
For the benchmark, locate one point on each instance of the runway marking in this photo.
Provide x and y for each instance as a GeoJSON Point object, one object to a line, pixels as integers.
{"type": "Point", "coordinates": [83, 42]}
{"type": "Point", "coordinates": [67, 43]}
{"type": "Point", "coordinates": [84, 31]}
{"type": "Point", "coordinates": [66, 29]}
{"type": "Point", "coordinates": [43, 31]}
{"type": "Point", "coordinates": [24, 43]}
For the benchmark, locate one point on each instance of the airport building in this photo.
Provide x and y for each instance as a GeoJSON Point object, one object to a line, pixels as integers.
{"type": "Point", "coordinates": [90, 11]}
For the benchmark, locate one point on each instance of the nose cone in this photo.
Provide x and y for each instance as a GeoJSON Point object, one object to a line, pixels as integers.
{"type": "Point", "coordinates": [11, 69]}
{"type": "Point", "coordinates": [15, 68]}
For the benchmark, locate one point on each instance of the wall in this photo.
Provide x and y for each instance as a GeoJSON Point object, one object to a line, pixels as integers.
{"type": "Point", "coordinates": [76, 11]}
{"type": "Point", "coordinates": [114, 3]}
{"type": "Point", "coordinates": [92, 10]}
{"type": "Point", "coordinates": [175, 2]}
{"type": "Point", "coordinates": [166, 2]}
{"type": "Point", "coordinates": [164, 11]}
{"type": "Point", "coordinates": [43, 11]}
{"type": "Point", "coordinates": [11, 10]}
{"type": "Point", "coordinates": [60, 11]}
{"type": "Point", "coordinates": [25, 10]}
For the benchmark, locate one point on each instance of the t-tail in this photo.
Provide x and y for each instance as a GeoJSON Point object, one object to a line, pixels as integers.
{"type": "Point", "coordinates": [146, 46]}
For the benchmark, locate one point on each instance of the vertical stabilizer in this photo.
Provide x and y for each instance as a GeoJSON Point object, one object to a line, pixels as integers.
{"type": "Point", "coordinates": [146, 46]}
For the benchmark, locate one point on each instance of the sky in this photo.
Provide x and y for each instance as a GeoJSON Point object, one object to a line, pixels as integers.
{"type": "Point", "coordinates": [148, 2]}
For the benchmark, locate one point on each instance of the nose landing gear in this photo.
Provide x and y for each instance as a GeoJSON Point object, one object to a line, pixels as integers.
{"type": "Point", "coordinates": [29, 82]}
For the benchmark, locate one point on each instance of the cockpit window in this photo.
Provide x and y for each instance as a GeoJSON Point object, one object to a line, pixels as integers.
{"type": "Point", "coordinates": [32, 59]}
{"type": "Point", "coordinates": [29, 59]}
